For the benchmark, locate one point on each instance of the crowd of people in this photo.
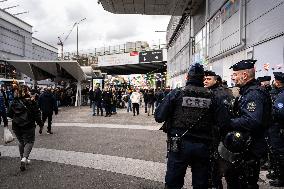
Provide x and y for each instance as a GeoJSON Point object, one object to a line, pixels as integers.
{"type": "Point", "coordinates": [109, 99]}
{"type": "Point", "coordinates": [219, 134]}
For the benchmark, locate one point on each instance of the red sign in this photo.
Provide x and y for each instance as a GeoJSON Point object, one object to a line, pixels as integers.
{"type": "Point", "coordinates": [134, 53]}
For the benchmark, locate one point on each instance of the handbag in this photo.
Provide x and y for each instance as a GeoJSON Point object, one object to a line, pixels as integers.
{"type": "Point", "coordinates": [8, 137]}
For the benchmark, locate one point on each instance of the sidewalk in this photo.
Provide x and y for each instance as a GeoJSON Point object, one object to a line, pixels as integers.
{"type": "Point", "coordinates": [83, 114]}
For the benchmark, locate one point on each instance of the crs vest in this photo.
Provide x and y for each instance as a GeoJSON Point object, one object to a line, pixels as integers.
{"type": "Point", "coordinates": [192, 111]}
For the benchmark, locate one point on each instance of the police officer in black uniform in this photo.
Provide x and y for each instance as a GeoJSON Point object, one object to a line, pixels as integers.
{"type": "Point", "coordinates": [276, 131]}
{"type": "Point", "coordinates": [224, 96]}
{"type": "Point", "coordinates": [265, 82]}
{"type": "Point", "coordinates": [252, 117]}
{"type": "Point", "coordinates": [188, 114]}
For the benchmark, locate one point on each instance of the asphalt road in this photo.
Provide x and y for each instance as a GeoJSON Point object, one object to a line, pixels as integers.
{"type": "Point", "coordinates": [85, 151]}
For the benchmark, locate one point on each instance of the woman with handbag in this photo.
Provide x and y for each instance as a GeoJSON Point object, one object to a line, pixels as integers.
{"type": "Point", "coordinates": [24, 112]}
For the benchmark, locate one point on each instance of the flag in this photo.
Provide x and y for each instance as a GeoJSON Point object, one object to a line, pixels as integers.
{"type": "Point", "coordinates": [134, 53]}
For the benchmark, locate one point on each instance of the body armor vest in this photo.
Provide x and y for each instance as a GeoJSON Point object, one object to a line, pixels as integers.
{"type": "Point", "coordinates": [192, 111]}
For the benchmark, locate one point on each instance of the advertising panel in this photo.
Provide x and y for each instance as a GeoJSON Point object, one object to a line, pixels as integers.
{"type": "Point", "coordinates": [98, 83]}
{"type": "Point", "coordinates": [118, 59]}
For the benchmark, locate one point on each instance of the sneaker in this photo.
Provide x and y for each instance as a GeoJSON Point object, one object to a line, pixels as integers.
{"type": "Point", "coordinates": [28, 162]}
{"type": "Point", "coordinates": [94, 114]}
{"type": "Point", "coordinates": [49, 132]}
{"type": "Point", "coordinates": [40, 130]}
{"type": "Point", "coordinates": [23, 164]}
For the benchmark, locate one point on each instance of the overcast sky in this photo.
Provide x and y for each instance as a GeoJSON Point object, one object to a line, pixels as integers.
{"type": "Point", "coordinates": [53, 18]}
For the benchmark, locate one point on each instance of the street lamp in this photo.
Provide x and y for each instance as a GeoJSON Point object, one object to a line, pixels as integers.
{"type": "Point", "coordinates": [159, 31]}
{"type": "Point", "coordinates": [77, 23]}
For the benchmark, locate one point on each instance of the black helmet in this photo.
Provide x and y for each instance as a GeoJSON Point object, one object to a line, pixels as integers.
{"type": "Point", "coordinates": [196, 70]}
{"type": "Point", "coordinates": [234, 145]}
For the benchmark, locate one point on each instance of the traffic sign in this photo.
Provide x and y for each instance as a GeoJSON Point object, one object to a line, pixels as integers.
{"type": "Point", "coordinates": [151, 56]}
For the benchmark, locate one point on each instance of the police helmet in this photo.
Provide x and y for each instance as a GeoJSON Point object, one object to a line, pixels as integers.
{"type": "Point", "coordinates": [235, 144]}
{"type": "Point", "coordinates": [196, 70]}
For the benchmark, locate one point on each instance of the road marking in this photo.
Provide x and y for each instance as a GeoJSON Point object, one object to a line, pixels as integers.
{"type": "Point", "coordinates": [154, 171]}
{"type": "Point", "coordinates": [111, 126]}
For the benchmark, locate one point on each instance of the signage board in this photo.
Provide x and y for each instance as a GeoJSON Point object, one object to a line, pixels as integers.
{"type": "Point", "coordinates": [151, 56]}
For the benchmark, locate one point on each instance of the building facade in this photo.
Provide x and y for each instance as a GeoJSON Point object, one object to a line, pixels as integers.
{"type": "Point", "coordinates": [224, 32]}
{"type": "Point", "coordinates": [17, 43]}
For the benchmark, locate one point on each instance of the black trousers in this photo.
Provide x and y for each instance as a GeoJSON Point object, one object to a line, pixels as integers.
{"type": "Point", "coordinates": [194, 154]}
{"type": "Point", "coordinates": [135, 108]}
{"type": "Point", "coordinates": [99, 108]}
{"type": "Point", "coordinates": [47, 116]}
{"type": "Point", "coordinates": [26, 138]}
{"type": "Point", "coordinates": [107, 108]}
{"type": "Point", "coordinates": [4, 117]}
{"type": "Point", "coordinates": [243, 176]}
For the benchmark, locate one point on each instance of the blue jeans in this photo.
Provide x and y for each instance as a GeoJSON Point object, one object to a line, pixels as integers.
{"type": "Point", "coordinates": [129, 106]}
{"type": "Point", "coordinates": [94, 107]}
{"type": "Point", "coordinates": [194, 154]}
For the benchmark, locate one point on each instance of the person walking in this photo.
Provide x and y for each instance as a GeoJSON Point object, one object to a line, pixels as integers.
{"type": "Point", "coordinates": [135, 99]}
{"type": "Point", "coordinates": [151, 101]}
{"type": "Point", "coordinates": [128, 100]}
{"type": "Point", "coordinates": [48, 105]}
{"type": "Point", "coordinates": [107, 96]}
{"type": "Point", "coordinates": [91, 98]}
{"type": "Point", "coordinates": [145, 97]}
{"type": "Point", "coordinates": [24, 113]}
{"type": "Point", "coordinates": [98, 100]}
{"type": "Point", "coordinates": [3, 115]}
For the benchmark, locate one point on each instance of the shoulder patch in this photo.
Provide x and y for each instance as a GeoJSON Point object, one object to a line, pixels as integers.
{"type": "Point", "coordinates": [280, 105]}
{"type": "Point", "coordinates": [251, 106]}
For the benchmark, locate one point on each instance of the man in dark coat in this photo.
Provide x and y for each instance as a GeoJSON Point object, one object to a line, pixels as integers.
{"type": "Point", "coordinates": [47, 104]}
{"type": "Point", "coordinates": [252, 113]}
{"type": "Point", "coordinates": [98, 100]}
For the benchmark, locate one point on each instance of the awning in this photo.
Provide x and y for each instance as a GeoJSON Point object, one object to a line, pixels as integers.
{"type": "Point", "coordinates": [58, 70]}
{"type": "Point", "coordinates": [152, 7]}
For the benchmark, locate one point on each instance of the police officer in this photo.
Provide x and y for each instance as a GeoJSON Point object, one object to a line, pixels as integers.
{"type": "Point", "coordinates": [252, 118]}
{"type": "Point", "coordinates": [213, 82]}
{"type": "Point", "coordinates": [276, 131]}
{"type": "Point", "coordinates": [265, 82]}
{"type": "Point", "coordinates": [188, 113]}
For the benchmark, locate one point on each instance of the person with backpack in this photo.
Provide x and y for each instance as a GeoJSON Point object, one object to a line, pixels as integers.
{"type": "Point", "coordinates": [24, 113]}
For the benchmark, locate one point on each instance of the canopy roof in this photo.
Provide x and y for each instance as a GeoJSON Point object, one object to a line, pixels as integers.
{"type": "Point", "coordinates": [151, 7]}
{"type": "Point", "coordinates": [57, 70]}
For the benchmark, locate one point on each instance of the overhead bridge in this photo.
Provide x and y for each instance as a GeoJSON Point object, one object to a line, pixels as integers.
{"type": "Point", "coordinates": [133, 63]}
